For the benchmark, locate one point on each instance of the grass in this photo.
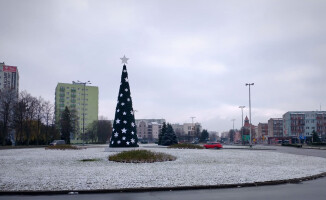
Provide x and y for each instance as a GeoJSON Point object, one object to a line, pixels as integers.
{"type": "Point", "coordinates": [90, 160]}
{"type": "Point", "coordinates": [186, 146]}
{"type": "Point", "coordinates": [141, 156]}
{"type": "Point", "coordinates": [62, 147]}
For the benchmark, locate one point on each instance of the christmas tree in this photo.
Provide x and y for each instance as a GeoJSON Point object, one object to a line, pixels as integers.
{"type": "Point", "coordinates": [124, 132]}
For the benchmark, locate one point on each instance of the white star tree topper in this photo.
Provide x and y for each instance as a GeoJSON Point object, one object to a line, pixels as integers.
{"type": "Point", "coordinates": [124, 59]}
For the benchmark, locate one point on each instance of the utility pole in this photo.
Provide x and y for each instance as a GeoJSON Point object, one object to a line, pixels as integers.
{"type": "Point", "coordinates": [249, 84]}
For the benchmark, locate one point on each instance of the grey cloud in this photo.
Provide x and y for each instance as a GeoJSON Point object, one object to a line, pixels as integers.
{"type": "Point", "coordinates": [186, 57]}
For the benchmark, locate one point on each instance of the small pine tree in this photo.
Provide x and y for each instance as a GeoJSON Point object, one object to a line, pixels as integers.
{"type": "Point", "coordinates": [204, 136]}
{"type": "Point", "coordinates": [231, 135]}
{"type": "Point", "coordinates": [162, 133]}
{"type": "Point", "coordinates": [169, 138]}
{"type": "Point", "coordinates": [65, 125]}
{"type": "Point", "coordinates": [315, 137]}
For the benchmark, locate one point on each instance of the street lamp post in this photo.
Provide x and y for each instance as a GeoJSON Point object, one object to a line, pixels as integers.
{"type": "Point", "coordinates": [83, 83]}
{"type": "Point", "coordinates": [249, 84]}
{"type": "Point", "coordinates": [242, 107]}
{"type": "Point", "coordinates": [233, 122]}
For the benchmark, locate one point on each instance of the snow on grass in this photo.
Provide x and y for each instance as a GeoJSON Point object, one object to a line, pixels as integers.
{"type": "Point", "coordinates": [40, 169]}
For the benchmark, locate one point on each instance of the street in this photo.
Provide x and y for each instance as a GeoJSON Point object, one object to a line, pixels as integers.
{"type": "Point", "coordinates": [301, 151]}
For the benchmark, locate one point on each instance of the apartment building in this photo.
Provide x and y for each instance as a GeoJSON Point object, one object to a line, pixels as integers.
{"type": "Point", "coordinates": [149, 128]}
{"type": "Point", "coordinates": [275, 127]}
{"type": "Point", "coordinates": [301, 124]}
{"type": "Point", "coordinates": [262, 132]}
{"type": "Point", "coordinates": [9, 77]}
{"type": "Point", "coordinates": [82, 100]}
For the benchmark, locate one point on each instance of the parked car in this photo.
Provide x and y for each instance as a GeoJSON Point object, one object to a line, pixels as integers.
{"type": "Point", "coordinates": [213, 145]}
{"type": "Point", "coordinates": [144, 142]}
{"type": "Point", "coordinates": [57, 142]}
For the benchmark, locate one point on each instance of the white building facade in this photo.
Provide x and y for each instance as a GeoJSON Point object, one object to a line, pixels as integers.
{"type": "Point", "coordinates": [302, 123]}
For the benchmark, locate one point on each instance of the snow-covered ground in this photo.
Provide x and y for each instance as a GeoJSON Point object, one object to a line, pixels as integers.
{"type": "Point", "coordinates": [40, 169]}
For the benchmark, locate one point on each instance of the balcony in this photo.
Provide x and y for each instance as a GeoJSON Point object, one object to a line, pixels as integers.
{"type": "Point", "coordinates": [62, 95]}
{"type": "Point", "coordinates": [62, 89]}
{"type": "Point", "coordinates": [73, 95]}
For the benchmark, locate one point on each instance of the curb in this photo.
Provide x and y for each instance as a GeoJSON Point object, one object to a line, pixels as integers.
{"type": "Point", "coordinates": [155, 189]}
{"type": "Point", "coordinates": [317, 148]}
{"type": "Point", "coordinates": [252, 149]}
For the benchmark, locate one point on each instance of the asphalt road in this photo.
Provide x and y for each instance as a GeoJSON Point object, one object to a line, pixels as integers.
{"type": "Point", "coordinates": [301, 151]}
{"type": "Point", "coordinates": [307, 190]}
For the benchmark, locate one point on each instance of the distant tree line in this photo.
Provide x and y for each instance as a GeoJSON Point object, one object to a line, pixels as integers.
{"type": "Point", "coordinates": [99, 131]}
{"type": "Point", "coordinates": [26, 119]}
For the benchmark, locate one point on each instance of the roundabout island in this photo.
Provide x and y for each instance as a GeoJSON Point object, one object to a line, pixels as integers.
{"type": "Point", "coordinates": [89, 170]}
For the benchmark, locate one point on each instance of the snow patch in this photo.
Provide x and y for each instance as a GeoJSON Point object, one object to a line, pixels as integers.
{"type": "Point", "coordinates": [55, 170]}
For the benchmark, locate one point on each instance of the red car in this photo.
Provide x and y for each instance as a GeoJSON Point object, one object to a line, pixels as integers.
{"type": "Point", "coordinates": [213, 145]}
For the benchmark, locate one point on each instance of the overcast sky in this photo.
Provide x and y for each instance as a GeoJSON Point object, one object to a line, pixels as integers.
{"type": "Point", "coordinates": [187, 58]}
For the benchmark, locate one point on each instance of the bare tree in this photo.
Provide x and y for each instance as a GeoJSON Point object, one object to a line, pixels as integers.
{"type": "Point", "coordinates": [100, 130]}
{"type": "Point", "coordinates": [32, 103]}
{"type": "Point", "coordinates": [31, 118]}
{"type": "Point", "coordinates": [104, 130]}
{"type": "Point", "coordinates": [39, 113]}
{"type": "Point", "coordinates": [8, 98]}
{"type": "Point", "coordinates": [48, 119]}
{"type": "Point", "coordinates": [24, 116]}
